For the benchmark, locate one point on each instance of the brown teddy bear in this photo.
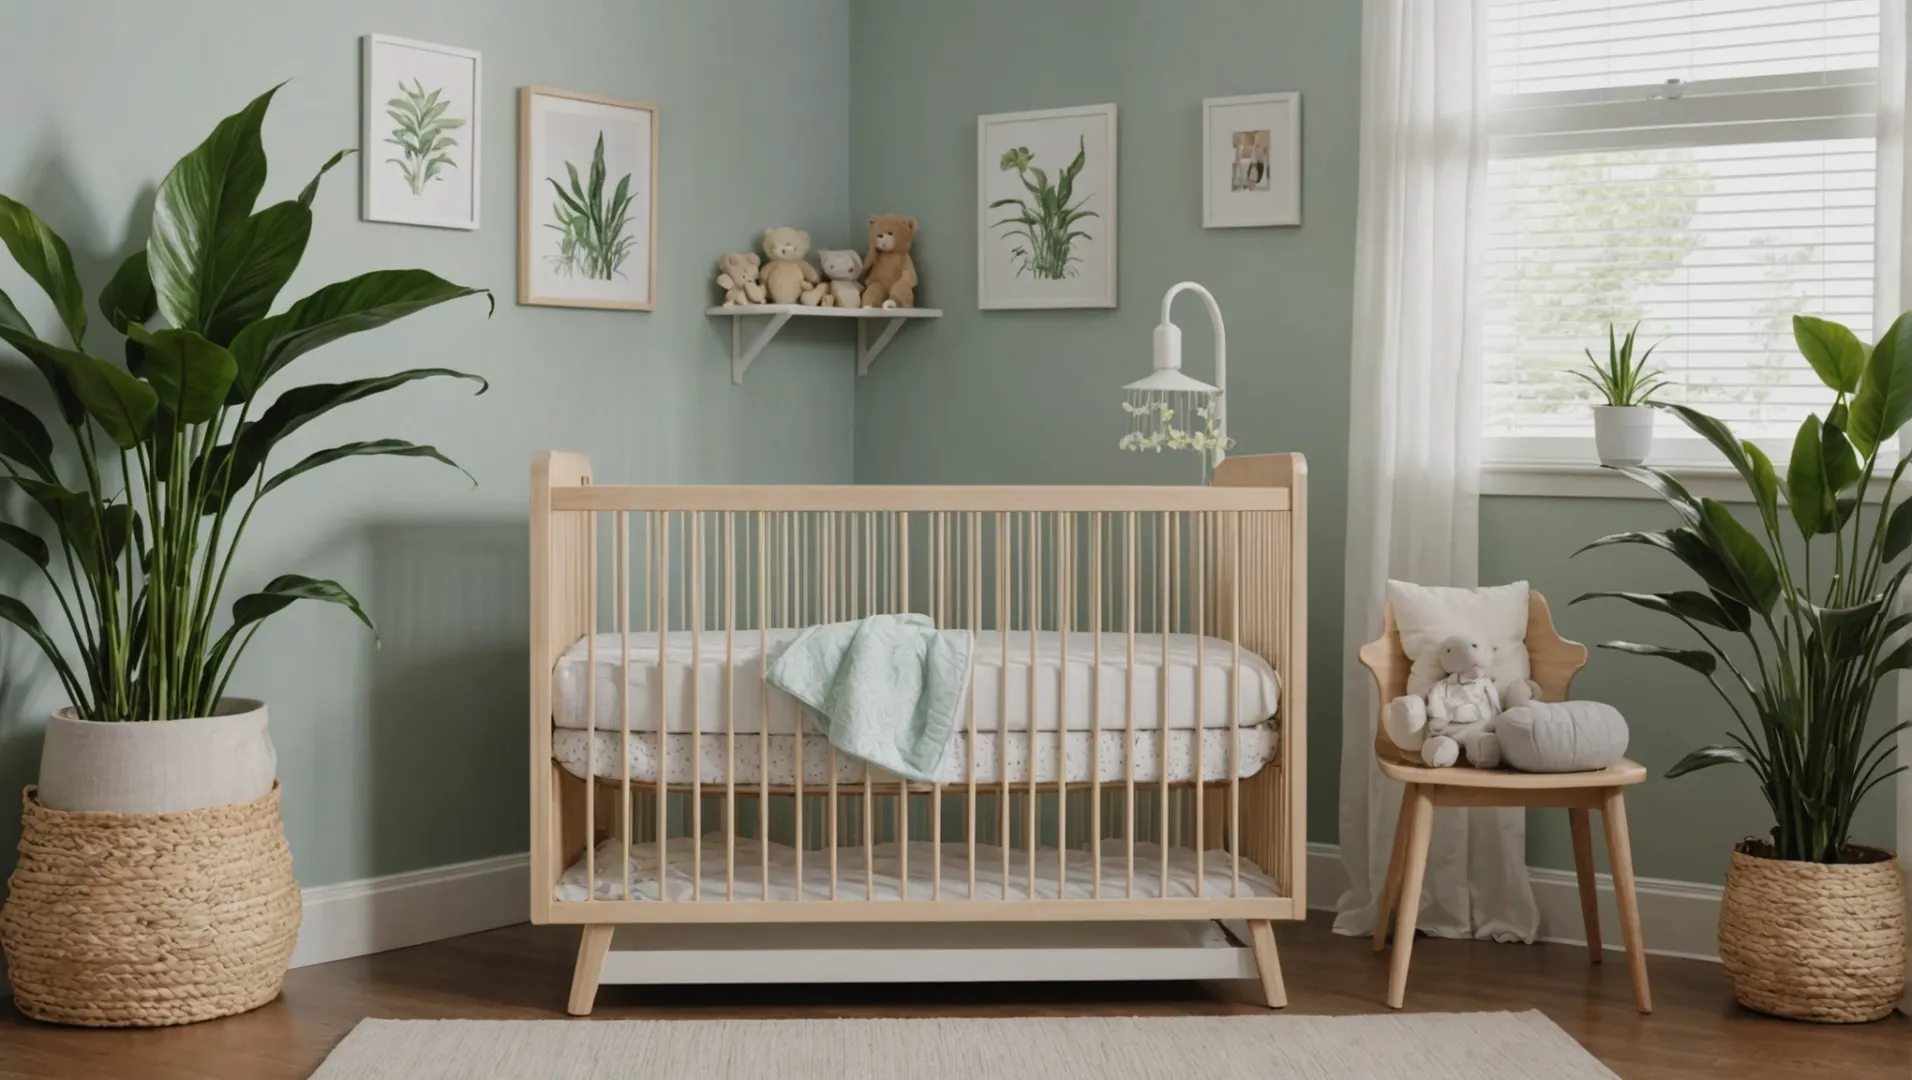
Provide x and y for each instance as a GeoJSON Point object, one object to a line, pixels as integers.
{"type": "Point", "coordinates": [889, 275]}
{"type": "Point", "coordinates": [788, 277]}
{"type": "Point", "coordinates": [737, 276]}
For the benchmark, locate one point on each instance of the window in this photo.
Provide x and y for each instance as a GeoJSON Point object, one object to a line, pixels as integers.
{"type": "Point", "coordinates": [1702, 167]}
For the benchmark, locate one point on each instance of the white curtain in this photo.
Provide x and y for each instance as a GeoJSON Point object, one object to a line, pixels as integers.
{"type": "Point", "coordinates": [1893, 295]}
{"type": "Point", "coordinates": [1414, 433]}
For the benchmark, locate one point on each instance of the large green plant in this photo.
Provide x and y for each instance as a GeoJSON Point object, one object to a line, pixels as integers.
{"type": "Point", "coordinates": [1815, 651]}
{"type": "Point", "coordinates": [170, 448]}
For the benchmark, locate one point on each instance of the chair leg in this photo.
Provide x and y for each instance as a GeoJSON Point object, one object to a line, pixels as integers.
{"type": "Point", "coordinates": [1261, 935]}
{"type": "Point", "coordinates": [592, 947]}
{"type": "Point", "coordinates": [1580, 819]}
{"type": "Point", "coordinates": [1410, 901]}
{"type": "Point", "coordinates": [1620, 855]}
{"type": "Point", "coordinates": [1391, 888]}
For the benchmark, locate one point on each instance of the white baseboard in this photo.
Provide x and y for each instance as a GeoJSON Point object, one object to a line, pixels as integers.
{"type": "Point", "coordinates": [1678, 918]}
{"type": "Point", "coordinates": [355, 918]}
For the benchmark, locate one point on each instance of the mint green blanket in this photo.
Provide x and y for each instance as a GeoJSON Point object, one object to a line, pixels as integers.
{"type": "Point", "coordinates": [886, 688]}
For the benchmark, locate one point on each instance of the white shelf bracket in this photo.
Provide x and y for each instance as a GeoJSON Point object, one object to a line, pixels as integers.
{"type": "Point", "coordinates": [866, 353]}
{"type": "Point", "coordinates": [741, 357]}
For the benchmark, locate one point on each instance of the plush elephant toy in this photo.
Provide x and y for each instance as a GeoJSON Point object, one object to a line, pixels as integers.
{"type": "Point", "coordinates": [1460, 712]}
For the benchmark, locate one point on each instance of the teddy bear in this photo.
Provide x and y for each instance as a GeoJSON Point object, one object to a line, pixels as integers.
{"type": "Point", "coordinates": [1459, 713]}
{"type": "Point", "coordinates": [737, 276]}
{"type": "Point", "coordinates": [842, 268]}
{"type": "Point", "coordinates": [788, 277]}
{"type": "Point", "coordinates": [889, 274]}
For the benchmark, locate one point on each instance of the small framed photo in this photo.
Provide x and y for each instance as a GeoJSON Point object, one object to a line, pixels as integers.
{"type": "Point", "coordinates": [1251, 160]}
{"type": "Point", "coordinates": [587, 200]}
{"type": "Point", "coordinates": [1046, 208]}
{"type": "Point", "coordinates": [419, 137]}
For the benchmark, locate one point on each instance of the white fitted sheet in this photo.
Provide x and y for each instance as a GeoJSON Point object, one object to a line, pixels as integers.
{"type": "Point", "coordinates": [999, 704]}
{"type": "Point", "coordinates": [1076, 882]}
{"type": "Point", "coordinates": [1254, 747]}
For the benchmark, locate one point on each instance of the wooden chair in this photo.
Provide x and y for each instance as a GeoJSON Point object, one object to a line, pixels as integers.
{"type": "Point", "coordinates": [1554, 660]}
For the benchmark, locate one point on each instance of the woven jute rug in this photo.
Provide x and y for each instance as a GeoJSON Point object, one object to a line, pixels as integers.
{"type": "Point", "coordinates": [1431, 1046]}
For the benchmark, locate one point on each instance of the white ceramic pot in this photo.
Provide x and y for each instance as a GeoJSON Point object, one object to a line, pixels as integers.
{"type": "Point", "coordinates": [159, 766]}
{"type": "Point", "coordinates": [1623, 434]}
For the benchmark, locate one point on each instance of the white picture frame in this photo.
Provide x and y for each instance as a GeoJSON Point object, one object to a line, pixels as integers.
{"type": "Point", "coordinates": [420, 132]}
{"type": "Point", "coordinates": [561, 130]}
{"type": "Point", "coordinates": [1251, 160]}
{"type": "Point", "coordinates": [1076, 271]}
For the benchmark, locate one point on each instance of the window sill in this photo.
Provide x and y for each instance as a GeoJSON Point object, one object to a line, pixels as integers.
{"type": "Point", "coordinates": [1559, 480]}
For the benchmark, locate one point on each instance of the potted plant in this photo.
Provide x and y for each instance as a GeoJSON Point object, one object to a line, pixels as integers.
{"type": "Point", "coordinates": [1623, 427]}
{"type": "Point", "coordinates": [185, 906]}
{"type": "Point", "coordinates": [1812, 926]}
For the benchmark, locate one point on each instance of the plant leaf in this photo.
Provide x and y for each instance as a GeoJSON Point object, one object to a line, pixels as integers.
{"type": "Point", "coordinates": [20, 615]}
{"type": "Point", "coordinates": [1806, 490]}
{"type": "Point", "coordinates": [1666, 487]}
{"type": "Point", "coordinates": [1838, 459]}
{"type": "Point", "coordinates": [1698, 606]}
{"type": "Point", "coordinates": [45, 258]}
{"type": "Point", "coordinates": [1832, 350]}
{"type": "Point", "coordinates": [311, 190]}
{"type": "Point", "coordinates": [249, 266]}
{"type": "Point", "coordinates": [1703, 662]}
{"type": "Point", "coordinates": [46, 358]}
{"type": "Point", "coordinates": [287, 589]}
{"type": "Point", "coordinates": [189, 373]}
{"type": "Point", "coordinates": [1743, 556]}
{"type": "Point", "coordinates": [1884, 401]}
{"type": "Point", "coordinates": [1765, 484]}
{"type": "Point", "coordinates": [362, 303]}
{"type": "Point", "coordinates": [10, 316]}
{"type": "Point", "coordinates": [1844, 630]}
{"type": "Point", "coordinates": [24, 439]}
{"type": "Point", "coordinates": [1718, 434]}
{"type": "Point", "coordinates": [129, 296]}
{"type": "Point", "coordinates": [205, 196]}
{"type": "Point", "coordinates": [1705, 758]}
{"type": "Point", "coordinates": [26, 543]}
{"type": "Point", "coordinates": [376, 447]}
{"type": "Point", "coordinates": [1898, 531]}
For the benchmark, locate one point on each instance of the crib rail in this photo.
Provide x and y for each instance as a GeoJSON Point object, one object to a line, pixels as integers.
{"type": "Point", "coordinates": [1115, 570]}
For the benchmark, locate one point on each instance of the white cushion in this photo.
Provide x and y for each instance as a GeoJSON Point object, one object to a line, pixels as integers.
{"type": "Point", "coordinates": [1426, 615]}
{"type": "Point", "coordinates": [1568, 736]}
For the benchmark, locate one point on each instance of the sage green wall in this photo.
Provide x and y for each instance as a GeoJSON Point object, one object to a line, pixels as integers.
{"type": "Point", "coordinates": [413, 754]}
{"type": "Point", "coordinates": [999, 397]}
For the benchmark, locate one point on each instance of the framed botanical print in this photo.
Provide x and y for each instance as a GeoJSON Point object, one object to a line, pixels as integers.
{"type": "Point", "coordinates": [1046, 208]}
{"type": "Point", "coordinates": [1251, 160]}
{"type": "Point", "coordinates": [587, 200]}
{"type": "Point", "coordinates": [419, 134]}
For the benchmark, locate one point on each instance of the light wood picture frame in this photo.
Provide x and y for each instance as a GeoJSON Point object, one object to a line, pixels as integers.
{"type": "Point", "coordinates": [419, 132]}
{"type": "Point", "coordinates": [587, 200]}
{"type": "Point", "coordinates": [1251, 160]}
{"type": "Point", "coordinates": [1063, 257]}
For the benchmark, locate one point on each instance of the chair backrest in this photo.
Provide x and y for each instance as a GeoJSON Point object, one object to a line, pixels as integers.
{"type": "Point", "coordinates": [1553, 659]}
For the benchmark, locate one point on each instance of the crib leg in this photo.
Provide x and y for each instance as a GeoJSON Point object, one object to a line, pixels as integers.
{"type": "Point", "coordinates": [1261, 935]}
{"type": "Point", "coordinates": [592, 947]}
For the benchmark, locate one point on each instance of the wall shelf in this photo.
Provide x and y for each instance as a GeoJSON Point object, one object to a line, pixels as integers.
{"type": "Point", "coordinates": [779, 315]}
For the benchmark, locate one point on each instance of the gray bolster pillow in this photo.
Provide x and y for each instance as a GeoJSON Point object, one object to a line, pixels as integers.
{"type": "Point", "coordinates": [1565, 736]}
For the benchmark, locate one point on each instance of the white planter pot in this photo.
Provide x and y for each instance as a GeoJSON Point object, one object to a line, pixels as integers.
{"type": "Point", "coordinates": [1623, 434]}
{"type": "Point", "coordinates": [160, 766]}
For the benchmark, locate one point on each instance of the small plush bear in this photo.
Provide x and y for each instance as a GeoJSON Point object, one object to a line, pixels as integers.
{"type": "Point", "coordinates": [1460, 712]}
{"type": "Point", "coordinates": [842, 268]}
{"type": "Point", "coordinates": [788, 277]}
{"type": "Point", "coordinates": [889, 276]}
{"type": "Point", "coordinates": [737, 276]}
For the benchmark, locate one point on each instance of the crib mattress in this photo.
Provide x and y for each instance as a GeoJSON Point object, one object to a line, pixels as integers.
{"type": "Point", "coordinates": [884, 878]}
{"type": "Point", "coordinates": [997, 757]}
{"type": "Point", "coordinates": [1201, 675]}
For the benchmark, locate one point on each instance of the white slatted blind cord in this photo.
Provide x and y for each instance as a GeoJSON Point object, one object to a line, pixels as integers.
{"type": "Point", "coordinates": [1712, 216]}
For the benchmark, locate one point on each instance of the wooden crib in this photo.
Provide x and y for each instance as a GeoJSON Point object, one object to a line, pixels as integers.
{"type": "Point", "coordinates": [1130, 769]}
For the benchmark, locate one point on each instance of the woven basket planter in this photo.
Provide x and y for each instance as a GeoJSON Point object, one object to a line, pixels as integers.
{"type": "Point", "coordinates": [1815, 941]}
{"type": "Point", "coordinates": [145, 920]}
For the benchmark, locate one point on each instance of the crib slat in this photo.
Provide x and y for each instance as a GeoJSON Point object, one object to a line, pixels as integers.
{"type": "Point", "coordinates": [1065, 620]}
{"type": "Point", "coordinates": [590, 708]}
{"type": "Point", "coordinates": [1003, 557]}
{"type": "Point", "coordinates": [939, 592]}
{"type": "Point", "coordinates": [1234, 717]}
{"type": "Point", "coordinates": [825, 557]}
{"type": "Point", "coordinates": [868, 553]}
{"type": "Point", "coordinates": [621, 577]}
{"type": "Point", "coordinates": [1095, 706]}
{"type": "Point", "coordinates": [1199, 541]}
{"type": "Point", "coordinates": [1128, 704]}
{"type": "Point", "coordinates": [730, 705]}
{"type": "Point", "coordinates": [763, 699]}
{"type": "Point", "coordinates": [975, 625]}
{"type": "Point", "coordinates": [796, 711]}
{"type": "Point", "coordinates": [1162, 718]}
{"type": "Point", "coordinates": [900, 602]}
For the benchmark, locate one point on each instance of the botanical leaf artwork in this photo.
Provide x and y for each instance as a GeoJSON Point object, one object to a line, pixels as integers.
{"type": "Point", "coordinates": [421, 134]}
{"type": "Point", "coordinates": [591, 227]}
{"type": "Point", "coordinates": [1047, 227]}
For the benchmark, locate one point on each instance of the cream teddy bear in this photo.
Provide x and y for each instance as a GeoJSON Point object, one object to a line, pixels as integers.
{"type": "Point", "coordinates": [737, 276]}
{"type": "Point", "coordinates": [843, 268]}
{"type": "Point", "coordinates": [788, 277]}
{"type": "Point", "coordinates": [1460, 712]}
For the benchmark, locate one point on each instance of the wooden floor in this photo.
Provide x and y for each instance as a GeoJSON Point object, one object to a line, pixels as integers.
{"type": "Point", "coordinates": [523, 972]}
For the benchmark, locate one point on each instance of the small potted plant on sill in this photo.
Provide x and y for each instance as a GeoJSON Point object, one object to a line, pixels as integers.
{"type": "Point", "coordinates": [154, 882]}
{"type": "Point", "coordinates": [1623, 427]}
{"type": "Point", "coordinates": [1812, 926]}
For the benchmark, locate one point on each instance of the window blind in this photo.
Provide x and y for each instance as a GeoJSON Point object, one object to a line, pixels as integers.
{"type": "Point", "coordinates": [1708, 212]}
